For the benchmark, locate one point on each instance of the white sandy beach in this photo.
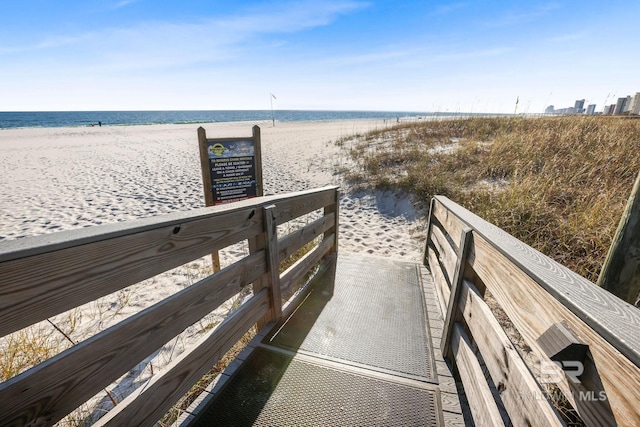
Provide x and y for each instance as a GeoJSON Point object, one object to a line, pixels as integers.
{"type": "Point", "coordinates": [62, 178]}
{"type": "Point", "coordinates": [56, 179]}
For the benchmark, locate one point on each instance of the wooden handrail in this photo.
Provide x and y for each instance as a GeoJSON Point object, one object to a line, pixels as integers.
{"type": "Point", "coordinates": [536, 293]}
{"type": "Point", "coordinates": [43, 276]}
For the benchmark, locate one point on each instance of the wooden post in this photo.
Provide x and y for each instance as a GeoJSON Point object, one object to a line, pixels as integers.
{"type": "Point", "coordinates": [335, 209]}
{"type": "Point", "coordinates": [206, 182]}
{"type": "Point", "coordinates": [456, 286]}
{"type": "Point", "coordinates": [270, 228]}
{"type": "Point", "coordinates": [425, 258]}
{"type": "Point", "coordinates": [620, 273]}
{"type": "Point", "coordinates": [257, 153]}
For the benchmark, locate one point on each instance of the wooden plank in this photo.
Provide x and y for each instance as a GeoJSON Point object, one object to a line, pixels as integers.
{"type": "Point", "coordinates": [446, 253]}
{"type": "Point", "coordinates": [38, 287]}
{"type": "Point", "coordinates": [449, 222]}
{"type": "Point", "coordinates": [520, 393]}
{"type": "Point", "coordinates": [526, 284]}
{"type": "Point", "coordinates": [617, 321]}
{"type": "Point", "coordinates": [61, 384]}
{"type": "Point", "coordinates": [441, 285]}
{"type": "Point", "coordinates": [620, 273]}
{"type": "Point", "coordinates": [35, 245]}
{"type": "Point", "coordinates": [298, 270]}
{"type": "Point", "coordinates": [146, 406]}
{"type": "Point", "coordinates": [425, 256]}
{"type": "Point", "coordinates": [325, 277]}
{"type": "Point", "coordinates": [334, 209]}
{"type": "Point", "coordinates": [533, 310]}
{"type": "Point", "coordinates": [289, 244]}
{"type": "Point", "coordinates": [451, 315]}
{"type": "Point", "coordinates": [273, 263]}
{"type": "Point", "coordinates": [291, 208]}
{"type": "Point", "coordinates": [484, 409]}
{"type": "Point", "coordinates": [257, 154]}
{"type": "Point", "coordinates": [45, 275]}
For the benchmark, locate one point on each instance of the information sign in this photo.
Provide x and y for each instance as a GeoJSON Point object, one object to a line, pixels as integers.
{"type": "Point", "coordinates": [231, 167]}
{"type": "Point", "coordinates": [233, 171]}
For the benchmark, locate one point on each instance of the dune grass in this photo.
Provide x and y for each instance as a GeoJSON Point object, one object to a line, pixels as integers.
{"type": "Point", "coordinates": [559, 184]}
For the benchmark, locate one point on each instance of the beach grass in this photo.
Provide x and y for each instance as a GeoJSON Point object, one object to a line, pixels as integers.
{"type": "Point", "coordinates": [559, 184]}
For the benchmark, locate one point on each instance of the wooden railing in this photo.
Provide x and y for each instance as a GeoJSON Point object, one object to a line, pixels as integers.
{"type": "Point", "coordinates": [556, 312]}
{"type": "Point", "coordinates": [44, 276]}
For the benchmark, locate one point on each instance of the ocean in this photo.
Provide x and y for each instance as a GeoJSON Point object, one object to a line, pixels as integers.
{"type": "Point", "coordinates": [120, 118]}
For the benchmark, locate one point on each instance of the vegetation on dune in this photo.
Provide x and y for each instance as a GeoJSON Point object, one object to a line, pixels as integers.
{"type": "Point", "coordinates": [559, 184]}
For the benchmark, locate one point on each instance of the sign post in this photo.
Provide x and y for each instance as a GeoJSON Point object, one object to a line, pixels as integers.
{"type": "Point", "coordinates": [231, 170]}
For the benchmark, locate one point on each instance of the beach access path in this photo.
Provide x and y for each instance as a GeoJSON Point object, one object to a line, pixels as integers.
{"type": "Point", "coordinates": [363, 348]}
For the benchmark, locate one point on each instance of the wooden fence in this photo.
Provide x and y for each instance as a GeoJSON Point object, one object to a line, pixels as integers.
{"type": "Point", "coordinates": [44, 276]}
{"type": "Point", "coordinates": [556, 312]}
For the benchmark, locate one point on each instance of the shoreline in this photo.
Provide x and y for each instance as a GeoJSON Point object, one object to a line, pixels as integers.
{"type": "Point", "coordinates": [57, 119]}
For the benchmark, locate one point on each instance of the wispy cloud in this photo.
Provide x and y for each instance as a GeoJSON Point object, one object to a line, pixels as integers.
{"type": "Point", "coordinates": [166, 44]}
{"type": "Point", "coordinates": [476, 54]}
{"type": "Point", "coordinates": [569, 37]}
{"type": "Point", "coordinates": [290, 17]}
{"type": "Point", "coordinates": [123, 3]}
{"type": "Point", "coordinates": [513, 18]}
{"type": "Point", "coordinates": [447, 9]}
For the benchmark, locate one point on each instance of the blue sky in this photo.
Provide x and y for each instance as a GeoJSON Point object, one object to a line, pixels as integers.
{"type": "Point", "coordinates": [475, 56]}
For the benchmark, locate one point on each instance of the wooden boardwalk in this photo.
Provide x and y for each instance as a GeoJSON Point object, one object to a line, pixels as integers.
{"type": "Point", "coordinates": [361, 345]}
{"type": "Point", "coordinates": [362, 349]}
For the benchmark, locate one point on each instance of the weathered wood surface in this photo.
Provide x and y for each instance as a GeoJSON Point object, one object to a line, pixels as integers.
{"type": "Point", "coordinates": [617, 321]}
{"type": "Point", "coordinates": [271, 235]}
{"type": "Point", "coordinates": [36, 288]}
{"type": "Point", "coordinates": [326, 272]}
{"type": "Point", "coordinates": [257, 156]}
{"type": "Point", "coordinates": [484, 409]}
{"type": "Point", "coordinates": [22, 248]}
{"type": "Point", "coordinates": [147, 405]}
{"type": "Point", "coordinates": [61, 384]}
{"type": "Point", "coordinates": [451, 315]}
{"type": "Point", "coordinates": [621, 270]}
{"type": "Point", "coordinates": [536, 292]}
{"type": "Point", "coordinates": [334, 209]}
{"type": "Point", "coordinates": [439, 280]}
{"type": "Point", "coordinates": [290, 208]}
{"type": "Point", "coordinates": [297, 271]}
{"type": "Point", "coordinates": [77, 266]}
{"type": "Point", "coordinates": [289, 244]}
{"type": "Point", "coordinates": [446, 252]}
{"type": "Point", "coordinates": [520, 393]}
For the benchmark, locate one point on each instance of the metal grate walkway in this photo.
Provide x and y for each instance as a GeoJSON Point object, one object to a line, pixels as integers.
{"type": "Point", "coordinates": [357, 352]}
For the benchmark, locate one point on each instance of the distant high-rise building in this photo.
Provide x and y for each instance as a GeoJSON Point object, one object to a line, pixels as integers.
{"type": "Point", "coordinates": [609, 109]}
{"type": "Point", "coordinates": [627, 104]}
{"type": "Point", "coordinates": [635, 104]}
{"type": "Point", "coordinates": [549, 110]}
{"type": "Point", "coordinates": [619, 108]}
{"type": "Point", "coordinates": [579, 106]}
{"type": "Point", "coordinates": [591, 109]}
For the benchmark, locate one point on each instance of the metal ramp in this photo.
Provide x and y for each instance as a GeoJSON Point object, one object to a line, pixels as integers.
{"type": "Point", "coordinates": [357, 352]}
